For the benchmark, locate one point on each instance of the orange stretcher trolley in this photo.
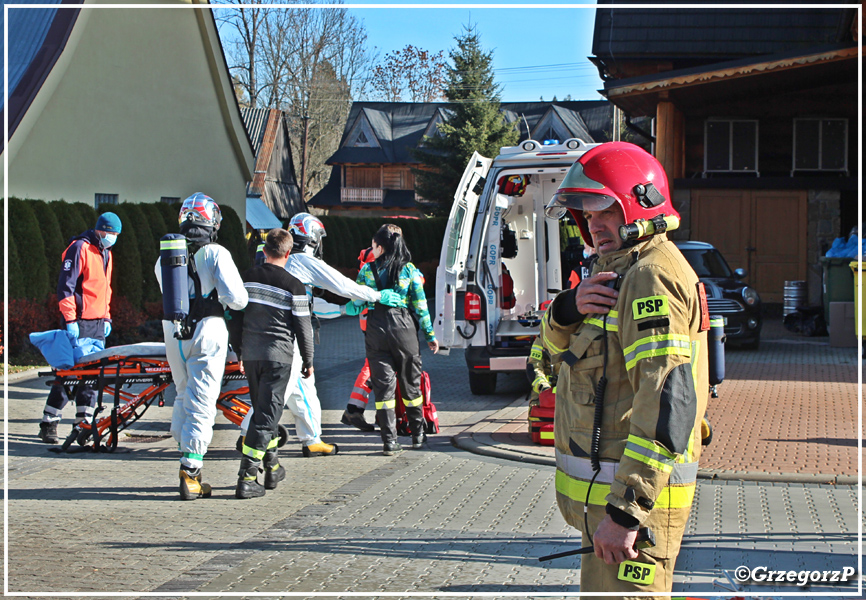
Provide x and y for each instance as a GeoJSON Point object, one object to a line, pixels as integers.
{"type": "Point", "coordinates": [112, 370]}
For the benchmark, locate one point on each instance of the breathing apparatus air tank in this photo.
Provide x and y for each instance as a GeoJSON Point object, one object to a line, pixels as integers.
{"type": "Point", "coordinates": [716, 350]}
{"type": "Point", "coordinates": [174, 257]}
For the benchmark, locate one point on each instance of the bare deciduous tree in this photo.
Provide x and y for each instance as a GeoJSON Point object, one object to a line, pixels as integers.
{"type": "Point", "coordinates": [309, 62]}
{"type": "Point", "coordinates": [411, 74]}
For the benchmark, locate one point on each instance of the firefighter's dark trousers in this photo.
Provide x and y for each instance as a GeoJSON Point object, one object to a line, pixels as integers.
{"type": "Point", "coordinates": [85, 402]}
{"type": "Point", "coordinates": [394, 354]}
{"type": "Point", "coordinates": [268, 381]}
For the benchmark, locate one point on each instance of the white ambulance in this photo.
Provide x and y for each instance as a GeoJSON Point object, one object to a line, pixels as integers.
{"type": "Point", "coordinates": [501, 260]}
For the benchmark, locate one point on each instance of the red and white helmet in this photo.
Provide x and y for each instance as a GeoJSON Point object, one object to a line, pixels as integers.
{"type": "Point", "coordinates": [613, 172]}
{"type": "Point", "coordinates": [306, 230]}
{"type": "Point", "coordinates": [201, 210]}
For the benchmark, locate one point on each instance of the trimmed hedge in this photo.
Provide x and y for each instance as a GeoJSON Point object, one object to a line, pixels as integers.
{"type": "Point", "coordinates": [231, 236]}
{"type": "Point", "coordinates": [127, 275]}
{"type": "Point", "coordinates": [347, 236]}
{"type": "Point", "coordinates": [52, 237]}
{"type": "Point", "coordinates": [31, 250]}
{"type": "Point", "coordinates": [70, 220]}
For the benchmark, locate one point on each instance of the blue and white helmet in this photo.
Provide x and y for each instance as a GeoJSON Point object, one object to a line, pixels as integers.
{"type": "Point", "coordinates": [201, 210]}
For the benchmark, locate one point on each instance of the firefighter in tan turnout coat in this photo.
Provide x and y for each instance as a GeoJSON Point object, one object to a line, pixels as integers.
{"type": "Point", "coordinates": [637, 350]}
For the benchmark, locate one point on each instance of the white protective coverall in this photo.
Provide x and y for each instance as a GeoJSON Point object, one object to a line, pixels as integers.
{"type": "Point", "coordinates": [197, 365]}
{"type": "Point", "coordinates": [301, 395]}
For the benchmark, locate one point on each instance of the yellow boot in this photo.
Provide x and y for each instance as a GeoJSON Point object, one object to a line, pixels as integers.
{"type": "Point", "coordinates": [191, 486]}
{"type": "Point", "coordinates": [320, 448]}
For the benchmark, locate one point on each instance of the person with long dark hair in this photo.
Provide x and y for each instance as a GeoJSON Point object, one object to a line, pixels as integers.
{"type": "Point", "coordinates": [391, 341]}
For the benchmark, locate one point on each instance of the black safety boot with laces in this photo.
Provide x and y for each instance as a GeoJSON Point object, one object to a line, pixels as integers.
{"type": "Point", "coordinates": [48, 432]}
{"type": "Point", "coordinates": [355, 417]}
{"type": "Point", "coordinates": [274, 471]}
{"type": "Point", "coordinates": [248, 485]}
{"type": "Point", "coordinates": [392, 448]}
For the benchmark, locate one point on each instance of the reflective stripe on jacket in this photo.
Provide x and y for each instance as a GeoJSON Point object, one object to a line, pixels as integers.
{"type": "Point", "coordinates": [654, 400]}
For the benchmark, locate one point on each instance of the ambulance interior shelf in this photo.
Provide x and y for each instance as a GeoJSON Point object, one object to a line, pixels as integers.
{"type": "Point", "coordinates": [526, 246]}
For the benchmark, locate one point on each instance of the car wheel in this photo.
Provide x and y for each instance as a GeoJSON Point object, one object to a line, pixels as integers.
{"type": "Point", "coordinates": [482, 384]}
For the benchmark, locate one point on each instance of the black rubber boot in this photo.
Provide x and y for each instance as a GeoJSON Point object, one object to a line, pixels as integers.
{"type": "Point", "coordinates": [355, 416]}
{"type": "Point", "coordinates": [391, 448]}
{"type": "Point", "coordinates": [248, 485]}
{"type": "Point", "coordinates": [274, 472]}
{"type": "Point", "coordinates": [48, 432]}
{"type": "Point", "coordinates": [418, 440]}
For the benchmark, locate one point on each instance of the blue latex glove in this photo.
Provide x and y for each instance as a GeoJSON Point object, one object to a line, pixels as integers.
{"type": "Point", "coordinates": [353, 309]}
{"type": "Point", "coordinates": [107, 328]}
{"type": "Point", "coordinates": [73, 329]}
{"type": "Point", "coordinates": [391, 298]}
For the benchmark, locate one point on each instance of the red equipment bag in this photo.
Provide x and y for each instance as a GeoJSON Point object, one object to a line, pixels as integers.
{"type": "Point", "coordinates": [431, 417]}
{"type": "Point", "coordinates": [541, 425]}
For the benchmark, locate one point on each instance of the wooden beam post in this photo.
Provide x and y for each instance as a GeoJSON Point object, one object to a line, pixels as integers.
{"type": "Point", "coordinates": [670, 140]}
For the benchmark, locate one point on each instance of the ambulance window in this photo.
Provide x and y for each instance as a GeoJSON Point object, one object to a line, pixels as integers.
{"type": "Point", "coordinates": [454, 235]}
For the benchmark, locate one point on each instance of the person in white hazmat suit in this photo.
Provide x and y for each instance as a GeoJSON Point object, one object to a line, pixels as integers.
{"type": "Point", "coordinates": [197, 363]}
{"type": "Point", "coordinates": [306, 264]}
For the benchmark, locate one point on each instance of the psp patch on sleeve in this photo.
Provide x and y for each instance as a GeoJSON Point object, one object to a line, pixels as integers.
{"type": "Point", "coordinates": [635, 572]}
{"type": "Point", "coordinates": [652, 306]}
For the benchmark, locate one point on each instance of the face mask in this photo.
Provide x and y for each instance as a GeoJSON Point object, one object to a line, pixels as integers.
{"type": "Point", "coordinates": [108, 240]}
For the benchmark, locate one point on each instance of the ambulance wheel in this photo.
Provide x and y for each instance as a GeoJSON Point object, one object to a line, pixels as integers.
{"type": "Point", "coordinates": [482, 384]}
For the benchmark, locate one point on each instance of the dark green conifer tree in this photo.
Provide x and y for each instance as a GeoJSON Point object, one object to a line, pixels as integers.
{"type": "Point", "coordinates": [475, 123]}
{"type": "Point", "coordinates": [24, 227]}
{"type": "Point", "coordinates": [231, 237]}
{"type": "Point", "coordinates": [52, 237]}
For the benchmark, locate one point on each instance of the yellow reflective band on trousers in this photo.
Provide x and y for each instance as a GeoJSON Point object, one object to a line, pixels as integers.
{"type": "Point", "coordinates": [416, 402]}
{"type": "Point", "coordinates": [575, 489]}
{"type": "Point", "coordinates": [273, 443]}
{"type": "Point", "coordinates": [386, 404]}
{"type": "Point", "coordinates": [657, 345]}
{"type": "Point", "coordinates": [635, 572]}
{"type": "Point", "coordinates": [252, 452]}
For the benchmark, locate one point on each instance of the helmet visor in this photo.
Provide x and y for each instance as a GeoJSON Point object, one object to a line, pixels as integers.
{"type": "Point", "coordinates": [579, 192]}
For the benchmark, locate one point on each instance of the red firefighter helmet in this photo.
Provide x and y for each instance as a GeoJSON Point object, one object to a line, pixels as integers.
{"type": "Point", "coordinates": [613, 172]}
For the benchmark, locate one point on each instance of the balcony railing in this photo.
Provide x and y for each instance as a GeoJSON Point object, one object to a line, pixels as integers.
{"type": "Point", "coordinates": [371, 195]}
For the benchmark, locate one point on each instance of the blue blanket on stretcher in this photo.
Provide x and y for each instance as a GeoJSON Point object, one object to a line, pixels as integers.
{"type": "Point", "coordinates": [61, 349]}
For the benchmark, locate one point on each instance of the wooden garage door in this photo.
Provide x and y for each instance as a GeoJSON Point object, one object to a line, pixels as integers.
{"type": "Point", "coordinates": [763, 232]}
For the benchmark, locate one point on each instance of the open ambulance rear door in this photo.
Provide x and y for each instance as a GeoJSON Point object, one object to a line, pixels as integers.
{"type": "Point", "coordinates": [451, 273]}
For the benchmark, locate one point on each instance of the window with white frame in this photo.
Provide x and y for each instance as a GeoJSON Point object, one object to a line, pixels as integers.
{"type": "Point", "coordinates": [104, 199]}
{"type": "Point", "coordinates": [820, 145]}
{"type": "Point", "coordinates": [730, 146]}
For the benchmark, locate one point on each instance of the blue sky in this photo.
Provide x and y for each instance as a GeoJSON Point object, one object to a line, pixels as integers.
{"type": "Point", "coordinates": [536, 51]}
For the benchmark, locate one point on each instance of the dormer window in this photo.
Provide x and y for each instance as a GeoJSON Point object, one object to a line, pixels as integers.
{"type": "Point", "coordinates": [362, 135]}
{"type": "Point", "coordinates": [551, 127]}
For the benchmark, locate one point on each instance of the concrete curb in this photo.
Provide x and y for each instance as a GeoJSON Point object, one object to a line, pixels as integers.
{"type": "Point", "coordinates": [474, 438]}
{"type": "Point", "coordinates": [24, 375]}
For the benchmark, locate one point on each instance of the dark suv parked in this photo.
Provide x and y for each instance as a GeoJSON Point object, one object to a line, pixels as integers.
{"type": "Point", "coordinates": [727, 295]}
